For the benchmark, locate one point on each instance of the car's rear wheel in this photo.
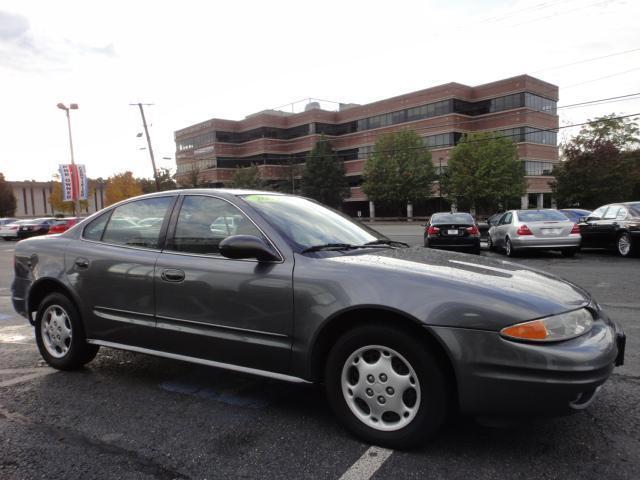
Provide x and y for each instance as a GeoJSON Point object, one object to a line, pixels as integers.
{"type": "Point", "coordinates": [60, 335]}
{"type": "Point", "coordinates": [508, 248]}
{"type": "Point", "coordinates": [385, 386]}
{"type": "Point", "coordinates": [624, 245]}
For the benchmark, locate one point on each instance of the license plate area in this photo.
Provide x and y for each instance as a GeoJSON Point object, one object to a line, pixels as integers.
{"type": "Point", "coordinates": [452, 232]}
{"type": "Point", "coordinates": [550, 231]}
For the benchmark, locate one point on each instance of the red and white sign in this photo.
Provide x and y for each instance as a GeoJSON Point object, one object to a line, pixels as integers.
{"type": "Point", "coordinates": [74, 182]}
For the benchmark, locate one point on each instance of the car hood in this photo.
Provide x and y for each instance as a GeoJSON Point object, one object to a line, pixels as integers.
{"type": "Point", "coordinates": [489, 290]}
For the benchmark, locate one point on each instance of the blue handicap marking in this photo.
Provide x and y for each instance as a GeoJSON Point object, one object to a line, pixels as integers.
{"type": "Point", "coordinates": [222, 387]}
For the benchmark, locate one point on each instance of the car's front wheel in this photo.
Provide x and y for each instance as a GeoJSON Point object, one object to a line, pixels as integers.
{"type": "Point", "coordinates": [60, 335]}
{"type": "Point", "coordinates": [625, 245]}
{"type": "Point", "coordinates": [385, 386]}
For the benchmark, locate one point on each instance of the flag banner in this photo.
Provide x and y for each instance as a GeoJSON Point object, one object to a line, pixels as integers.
{"type": "Point", "coordinates": [74, 182]}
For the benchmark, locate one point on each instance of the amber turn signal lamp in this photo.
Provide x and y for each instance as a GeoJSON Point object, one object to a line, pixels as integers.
{"type": "Point", "coordinates": [534, 330]}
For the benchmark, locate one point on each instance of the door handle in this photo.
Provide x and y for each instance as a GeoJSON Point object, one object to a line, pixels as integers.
{"type": "Point", "coordinates": [81, 262]}
{"type": "Point", "coordinates": [172, 275]}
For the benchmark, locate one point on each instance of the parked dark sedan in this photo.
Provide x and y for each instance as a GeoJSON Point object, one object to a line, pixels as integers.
{"type": "Point", "coordinates": [454, 231]}
{"type": "Point", "coordinates": [296, 291]}
{"type": "Point", "coordinates": [615, 227]}
{"type": "Point", "coordinates": [26, 228]}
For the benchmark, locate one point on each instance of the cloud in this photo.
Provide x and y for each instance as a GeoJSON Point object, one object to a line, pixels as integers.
{"type": "Point", "coordinates": [23, 49]}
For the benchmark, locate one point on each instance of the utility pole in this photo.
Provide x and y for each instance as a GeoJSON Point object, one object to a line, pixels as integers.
{"type": "Point", "coordinates": [146, 132]}
{"type": "Point", "coordinates": [76, 205]}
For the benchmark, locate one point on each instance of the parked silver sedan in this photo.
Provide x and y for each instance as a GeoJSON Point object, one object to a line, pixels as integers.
{"type": "Point", "coordinates": [518, 230]}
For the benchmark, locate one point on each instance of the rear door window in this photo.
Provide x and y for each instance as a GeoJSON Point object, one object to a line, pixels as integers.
{"type": "Point", "coordinates": [124, 227]}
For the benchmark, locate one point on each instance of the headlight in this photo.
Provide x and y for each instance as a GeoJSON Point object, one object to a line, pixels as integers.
{"type": "Point", "coordinates": [552, 329]}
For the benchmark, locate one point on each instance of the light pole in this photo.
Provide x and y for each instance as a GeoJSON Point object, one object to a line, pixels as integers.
{"type": "Point", "coordinates": [72, 106]}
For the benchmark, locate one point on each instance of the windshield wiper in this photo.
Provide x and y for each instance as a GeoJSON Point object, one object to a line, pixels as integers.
{"type": "Point", "coordinates": [384, 241]}
{"type": "Point", "coordinates": [329, 246]}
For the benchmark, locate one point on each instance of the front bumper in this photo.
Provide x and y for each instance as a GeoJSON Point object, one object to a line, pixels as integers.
{"type": "Point", "coordinates": [549, 243]}
{"type": "Point", "coordinates": [499, 377]}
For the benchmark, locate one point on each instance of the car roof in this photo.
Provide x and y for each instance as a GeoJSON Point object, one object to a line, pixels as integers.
{"type": "Point", "coordinates": [209, 191]}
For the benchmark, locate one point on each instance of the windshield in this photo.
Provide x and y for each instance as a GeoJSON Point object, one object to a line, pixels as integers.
{"type": "Point", "coordinates": [306, 223]}
{"type": "Point", "coordinates": [541, 216]}
{"type": "Point", "coordinates": [452, 218]}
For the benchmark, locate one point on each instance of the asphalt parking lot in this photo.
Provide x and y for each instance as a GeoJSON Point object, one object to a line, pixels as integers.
{"type": "Point", "coordinates": [133, 416]}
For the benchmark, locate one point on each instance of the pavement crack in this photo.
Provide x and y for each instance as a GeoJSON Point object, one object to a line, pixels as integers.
{"type": "Point", "coordinates": [70, 437]}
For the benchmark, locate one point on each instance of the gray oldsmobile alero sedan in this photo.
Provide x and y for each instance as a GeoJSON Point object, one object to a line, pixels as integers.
{"type": "Point", "coordinates": [281, 286]}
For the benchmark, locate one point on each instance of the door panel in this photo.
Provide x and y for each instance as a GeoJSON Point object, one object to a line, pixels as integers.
{"type": "Point", "coordinates": [232, 311]}
{"type": "Point", "coordinates": [115, 281]}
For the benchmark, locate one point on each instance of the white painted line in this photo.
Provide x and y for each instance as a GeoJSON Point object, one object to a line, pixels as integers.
{"type": "Point", "coordinates": [367, 464]}
{"type": "Point", "coordinates": [21, 370]}
{"type": "Point", "coordinates": [26, 378]}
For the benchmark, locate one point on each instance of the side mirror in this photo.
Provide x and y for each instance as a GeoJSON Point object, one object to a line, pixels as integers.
{"type": "Point", "coordinates": [247, 246]}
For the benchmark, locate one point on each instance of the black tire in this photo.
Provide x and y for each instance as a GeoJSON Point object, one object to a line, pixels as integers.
{"type": "Point", "coordinates": [568, 252]}
{"type": "Point", "coordinates": [625, 239]}
{"type": "Point", "coordinates": [79, 351]}
{"type": "Point", "coordinates": [426, 243]}
{"type": "Point", "coordinates": [508, 248]}
{"type": "Point", "coordinates": [431, 411]}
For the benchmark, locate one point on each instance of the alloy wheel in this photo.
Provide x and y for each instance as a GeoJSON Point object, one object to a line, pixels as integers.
{"type": "Point", "coordinates": [381, 388]}
{"type": "Point", "coordinates": [624, 244]}
{"type": "Point", "coordinates": [56, 331]}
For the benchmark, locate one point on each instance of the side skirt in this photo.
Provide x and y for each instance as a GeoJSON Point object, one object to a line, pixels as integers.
{"type": "Point", "coordinates": [200, 361]}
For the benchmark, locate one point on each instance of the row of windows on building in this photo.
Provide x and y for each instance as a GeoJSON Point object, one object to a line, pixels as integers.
{"type": "Point", "coordinates": [448, 139]}
{"type": "Point", "coordinates": [444, 107]}
{"type": "Point", "coordinates": [198, 165]}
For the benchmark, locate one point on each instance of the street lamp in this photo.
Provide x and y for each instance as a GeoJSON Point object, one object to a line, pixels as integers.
{"type": "Point", "coordinates": [72, 106]}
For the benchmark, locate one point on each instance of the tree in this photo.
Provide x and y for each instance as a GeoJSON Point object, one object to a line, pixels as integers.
{"type": "Point", "coordinates": [247, 177]}
{"type": "Point", "coordinates": [623, 133]}
{"type": "Point", "coordinates": [120, 187]}
{"type": "Point", "coordinates": [165, 178]}
{"type": "Point", "coordinates": [399, 171]}
{"type": "Point", "coordinates": [7, 200]}
{"type": "Point", "coordinates": [602, 164]}
{"type": "Point", "coordinates": [58, 205]}
{"type": "Point", "coordinates": [594, 173]}
{"type": "Point", "coordinates": [323, 176]}
{"type": "Point", "coordinates": [484, 171]}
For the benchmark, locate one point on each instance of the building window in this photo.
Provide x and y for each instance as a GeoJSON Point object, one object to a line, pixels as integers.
{"type": "Point", "coordinates": [537, 168]}
{"type": "Point", "coordinates": [540, 104]}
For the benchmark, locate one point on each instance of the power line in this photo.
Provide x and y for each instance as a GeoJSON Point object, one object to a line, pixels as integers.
{"type": "Point", "coordinates": [587, 60]}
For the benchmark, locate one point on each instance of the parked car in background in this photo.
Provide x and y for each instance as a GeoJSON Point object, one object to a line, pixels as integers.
{"type": "Point", "coordinates": [9, 231]}
{"type": "Point", "coordinates": [397, 336]}
{"type": "Point", "coordinates": [615, 226]}
{"type": "Point", "coordinates": [575, 214]}
{"type": "Point", "coordinates": [63, 224]}
{"type": "Point", "coordinates": [26, 228]}
{"type": "Point", "coordinates": [6, 220]}
{"type": "Point", "coordinates": [452, 231]}
{"type": "Point", "coordinates": [519, 230]}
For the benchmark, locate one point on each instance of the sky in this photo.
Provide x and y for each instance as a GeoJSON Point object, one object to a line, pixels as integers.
{"type": "Point", "coordinates": [198, 60]}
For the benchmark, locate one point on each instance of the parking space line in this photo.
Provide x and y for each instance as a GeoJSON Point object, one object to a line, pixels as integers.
{"type": "Point", "coordinates": [26, 378]}
{"type": "Point", "coordinates": [367, 464]}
